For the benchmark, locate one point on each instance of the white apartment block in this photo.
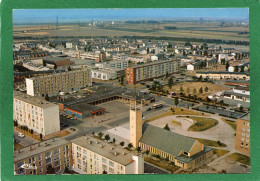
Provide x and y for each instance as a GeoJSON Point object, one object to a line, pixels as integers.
{"type": "Point", "coordinates": [36, 113]}
{"type": "Point", "coordinates": [93, 156]}
{"type": "Point", "coordinates": [58, 82]}
{"type": "Point", "coordinates": [104, 74]}
{"type": "Point", "coordinates": [119, 57]}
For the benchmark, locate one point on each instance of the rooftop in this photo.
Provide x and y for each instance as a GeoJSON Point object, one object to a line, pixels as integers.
{"type": "Point", "coordinates": [39, 102]}
{"type": "Point", "coordinates": [38, 148]}
{"type": "Point", "coordinates": [214, 72]}
{"type": "Point", "coordinates": [187, 159]}
{"type": "Point", "coordinates": [164, 140]}
{"type": "Point", "coordinates": [105, 149]}
{"type": "Point", "coordinates": [55, 59]}
{"type": "Point", "coordinates": [153, 63]}
{"type": "Point", "coordinates": [245, 117]}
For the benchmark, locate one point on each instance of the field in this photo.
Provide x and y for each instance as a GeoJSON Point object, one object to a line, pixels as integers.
{"type": "Point", "coordinates": [240, 158]}
{"type": "Point", "coordinates": [220, 152]}
{"type": "Point", "coordinates": [212, 88]}
{"type": "Point", "coordinates": [183, 30]}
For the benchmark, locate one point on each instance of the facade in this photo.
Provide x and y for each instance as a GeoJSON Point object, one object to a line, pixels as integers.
{"type": "Point", "coordinates": [224, 75]}
{"type": "Point", "coordinates": [243, 134]}
{"type": "Point", "coordinates": [37, 114]}
{"type": "Point", "coordinates": [35, 159]}
{"type": "Point", "coordinates": [103, 74]}
{"type": "Point", "coordinates": [148, 71]}
{"type": "Point", "coordinates": [56, 62]}
{"type": "Point", "coordinates": [239, 94]}
{"type": "Point", "coordinates": [98, 57]}
{"type": "Point", "coordinates": [94, 156]}
{"type": "Point", "coordinates": [58, 82]}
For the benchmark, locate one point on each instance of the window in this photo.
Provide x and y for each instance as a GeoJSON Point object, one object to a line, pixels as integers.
{"type": "Point", "coordinates": [247, 140]}
{"type": "Point", "coordinates": [243, 134]}
{"type": "Point", "coordinates": [111, 164]}
{"type": "Point", "coordinates": [78, 149]}
{"type": "Point", "coordinates": [244, 123]}
{"type": "Point", "coordinates": [19, 164]}
{"type": "Point", "coordinates": [56, 163]}
{"type": "Point", "coordinates": [248, 130]}
{"type": "Point", "coordinates": [104, 167]}
{"type": "Point", "coordinates": [104, 160]}
{"type": "Point", "coordinates": [56, 157]}
{"type": "Point", "coordinates": [79, 166]}
{"type": "Point", "coordinates": [56, 151]}
{"type": "Point", "coordinates": [78, 155]}
{"type": "Point", "coordinates": [242, 139]}
{"type": "Point", "coordinates": [111, 170]}
{"type": "Point", "coordinates": [243, 129]}
{"type": "Point", "coordinates": [79, 161]}
{"type": "Point", "coordinates": [242, 143]}
{"type": "Point", "coordinates": [84, 151]}
{"type": "Point", "coordinates": [248, 124]}
{"type": "Point", "coordinates": [48, 160]}
{"type": "Point", "coordinates": [246, 145]}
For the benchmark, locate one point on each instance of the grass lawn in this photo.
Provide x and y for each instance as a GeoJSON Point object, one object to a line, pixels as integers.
{"type": "Point", "coordinates": [211, 142]}
{"type": "Point", "coordinates": [220, 153]}
{"type": "Point", "coordinates": [176, 122]}
{"type": "Point", "coordinates": [233, 124]}
{"type": "Point", "coordinates": [213, 88]}
{"type": "Point", "coordinates": [202, 124]}
{"type": "Point", "coordinates": [177, 111]}
{"type": "Point", "coordinates": [240, 158]}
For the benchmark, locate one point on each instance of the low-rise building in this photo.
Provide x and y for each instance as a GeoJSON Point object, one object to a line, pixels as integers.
{"type": "Point", "coordinates": [243, 134]}
{"type": "Point", "coordinates": [36, 113]}
{"type": "Point", "coordinates": [37, 159]}
{"type": "Point", "coordinates": [94, 156]}
{"type": "Point", "coordinates": [224, 75]}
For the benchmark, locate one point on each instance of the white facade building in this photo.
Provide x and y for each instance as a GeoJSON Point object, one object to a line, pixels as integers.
{"type": "Point", "coordinates": [103, 74]}
{"type": "Point", "coordinates": [93, 156]}
{"type": "Point", "coordinates": [37, 114]}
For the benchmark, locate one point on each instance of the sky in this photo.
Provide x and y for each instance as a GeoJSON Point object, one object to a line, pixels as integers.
{"type": "Point", "coordinates": [50, 15]}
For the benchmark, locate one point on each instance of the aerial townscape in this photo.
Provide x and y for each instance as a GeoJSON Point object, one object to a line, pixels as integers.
{"type": "Point", "coordinates": [131, 95]}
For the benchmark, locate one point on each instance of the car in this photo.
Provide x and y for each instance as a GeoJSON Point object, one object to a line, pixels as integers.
{"type": "Point", "coordinates": [21, 135]}
{"type": "Point", "coordinates": [148, 109]}
{"type": "Point", "coordinates": [220, 108]}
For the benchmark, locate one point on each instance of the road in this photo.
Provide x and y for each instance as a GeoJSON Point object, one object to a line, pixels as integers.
{"type": "Point", "coordinates": [25, 141]}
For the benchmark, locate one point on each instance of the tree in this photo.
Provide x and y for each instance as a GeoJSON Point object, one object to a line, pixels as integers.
{"type": "Point", "coordinates": [47, 97]}
{"type": "Point", "coordinates": [236, 69]}
{"type": "Point", "coordinates": [138, 149]}
{"type": "Point", "coordinates": [166, 127]}
{"type": "Point", "coordinates": [100, 134]}
{"type": "Point", "coordinates": [188, 90]}
{"type": "Point", "coordinates": [122, 143]}
{"type": "Point", "coordinates": [104, 172]}
{"type": "Point", "coordinates": [130, 145]}
{"type": "Point", "coordinates": [227, 65]}
{"type": "Point", "coordinates": [31, 131]}
{"type": "Point", "coordinates": [170, 82]}
{"type": "Point", "coordinates": [201, 90]}
{"type": "Point", "coordinates": [69, 69]}
{"type": "Point", "coordinates": [242, 68]}
{"type": "Point", "coordinates": [194, 91]}
{"type": "Point", "coordinates": [206, 89]}
{"type": "Point", "coordinates": [107, 137]}
{"type": "Point", "coordinates": [93, 133]}
{"type": "Point", "coordinates": [50, 170]}
{"type": "Point", "coordinates": [181, 90]}
{"type": "Point", "coordinates": [41, 137]}
{"type": "Point", "coordinates": [158, 156]}
{"type": "Point", "coordinates": [147, 152]}
{"type": "Point", "coordinates": [176, 101]}
{"type": "Point", "coordinates": [114, 140]}
{"type": "Point", "coordinates": [147, 50]}
{"type": "Point", "coordinates": [187, 44]}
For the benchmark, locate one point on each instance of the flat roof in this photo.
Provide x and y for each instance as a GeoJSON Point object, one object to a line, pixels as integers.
{"type": "Point", "coordinates": [38, 148]}
{"type": "Point", "coordinates": [55, 59]}
{"type": "Point", "coordinates": [214, 72]}
{"type": "Point", "coordinates": [36, 101]}
{"type": "Point", "coordinates": [237, 94]}
{"type": "Point", "coordinates": [85, 108]}
{"type": "Point", "coordinates": [245, 116]}
{"type": "Point", "coordinates": [152, 63]}
{"type": "Point", "coordinates": [187, 159]}
{"type": "Point", "coordinates": [105, 149]}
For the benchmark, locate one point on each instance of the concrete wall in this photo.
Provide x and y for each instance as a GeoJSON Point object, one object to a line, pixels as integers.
{"type": "Point", "coordinates": [29, 86]}
{"type": "Point", "coordinates": [51, 120]}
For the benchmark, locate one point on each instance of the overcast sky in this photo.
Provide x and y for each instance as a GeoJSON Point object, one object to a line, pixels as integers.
{"type": "Point", "coordinates": [49, 15]}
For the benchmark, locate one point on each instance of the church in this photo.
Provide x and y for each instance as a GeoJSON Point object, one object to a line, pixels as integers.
{"type": "Point", "coordinates": [185, 152]}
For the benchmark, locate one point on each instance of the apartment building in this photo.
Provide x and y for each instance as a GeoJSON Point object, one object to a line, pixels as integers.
{"type": "Point", "coordinates": [36, 113]}
{"type": "Point", "coordinates": [104, 74]}
{"type": "Point", "coordinates": [94, 156]}
{"type": "Point", "coordinates": [58, 82]}
{"type": "Point", "coordinates": [148, 71]}
{"type": "Point", "coordinates": [37, 159]}
{"type": "Point", "coordinates": [98, 57]}
{"type": "Point", "coordinates": [224, 75]}
{"type": "Point", "coordinates": [243, 134]}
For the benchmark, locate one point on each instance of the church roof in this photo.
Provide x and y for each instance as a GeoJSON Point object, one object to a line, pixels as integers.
{"type": "Point", "coordinates": [165, 140]}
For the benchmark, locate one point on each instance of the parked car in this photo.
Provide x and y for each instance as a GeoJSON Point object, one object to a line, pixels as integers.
{"type": "Point", "coordinates": [21, 135]}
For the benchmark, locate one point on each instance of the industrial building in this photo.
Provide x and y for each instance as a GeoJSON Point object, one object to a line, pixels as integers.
{"type": "Point", "coordinates": [94, 156]}
{"type": "Point", "coordinates": [58, 82]}
{"type": "Point", "coordinates": [55, 62]}
{"type": "Point", "coordinates": [36, 113]}
{"type": "Point", "coordinates": [148, 71]}
{"type": "Point", "coordinates": [36, 159]}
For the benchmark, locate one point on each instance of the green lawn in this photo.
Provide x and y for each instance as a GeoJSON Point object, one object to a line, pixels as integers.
{"type": "Point", "coordinates": [240, 158]}
{"type": "Point", "coordinates": [211, 142]}
{"type": "Point", "coordinates": [233, 124]}
{"type": "Point", "coordinates": [220, 153]}
{"type": "Point", "coordinates": [202, 124]}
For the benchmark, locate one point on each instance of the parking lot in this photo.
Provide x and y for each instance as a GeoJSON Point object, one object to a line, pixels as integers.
{"type": "Point", "coordinates": [221, 111]}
